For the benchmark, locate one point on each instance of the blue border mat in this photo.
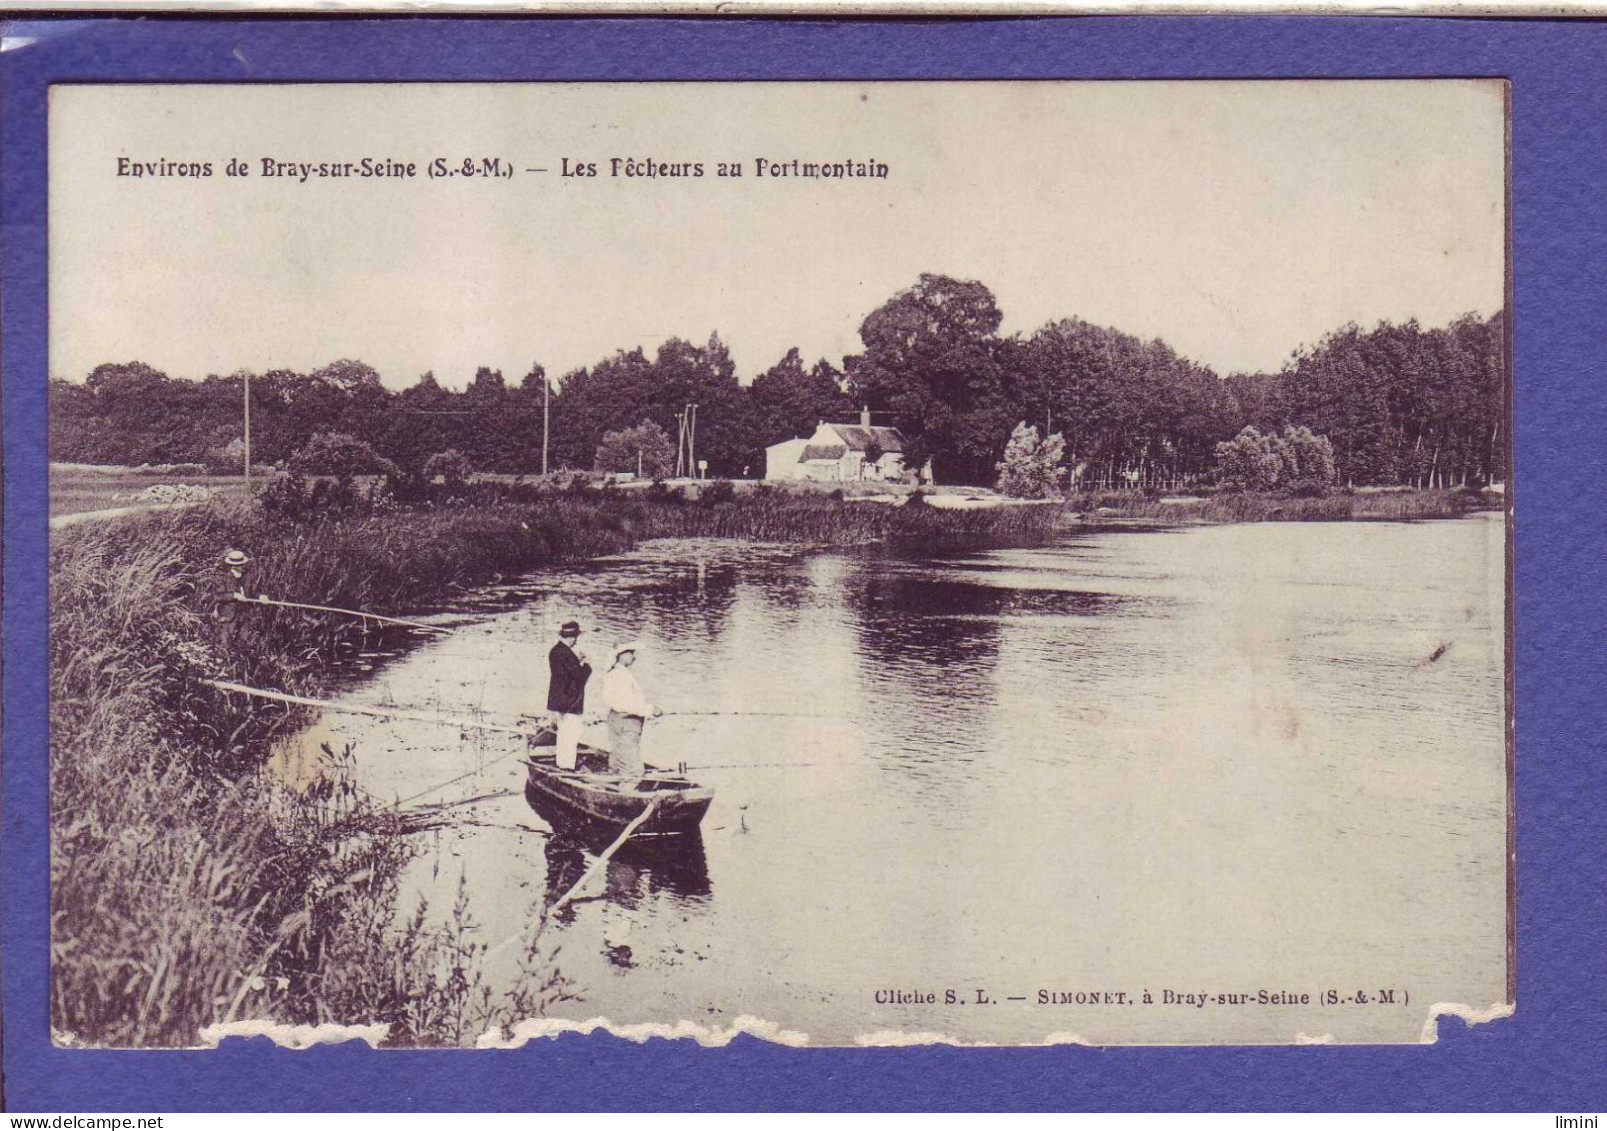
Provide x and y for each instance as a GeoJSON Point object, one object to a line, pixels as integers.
{"type": "Point", "coordinates": [1549, 1057]}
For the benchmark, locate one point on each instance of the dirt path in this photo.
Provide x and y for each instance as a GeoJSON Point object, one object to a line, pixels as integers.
{"type": "Point", "coordinates": [74, 519]}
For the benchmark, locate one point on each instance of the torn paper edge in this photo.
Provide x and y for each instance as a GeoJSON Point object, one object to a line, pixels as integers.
{"type": "Point", "coordinates": [301, 1037]}
{"type": "Point", "coordinates": [1470, 1015]}
{"type": "Point", "coordinates": [718, 1036]}
{"type": "Point", "coordinates": [294, 1036]}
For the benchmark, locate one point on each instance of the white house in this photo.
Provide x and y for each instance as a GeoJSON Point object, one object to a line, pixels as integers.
{"type": "Point", "coordinates": [842, 453]}
{"type": "Point", "coordinates": [781, 460]}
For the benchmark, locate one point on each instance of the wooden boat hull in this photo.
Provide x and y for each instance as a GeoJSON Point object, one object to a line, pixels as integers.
{"type": "Point", "coordinates": [604, 799]}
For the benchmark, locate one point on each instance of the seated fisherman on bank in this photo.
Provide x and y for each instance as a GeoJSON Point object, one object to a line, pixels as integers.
{"type": "Point", "coordinates": [233, 591]}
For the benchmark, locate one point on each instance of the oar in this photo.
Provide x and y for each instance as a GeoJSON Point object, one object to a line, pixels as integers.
{"type": "Point", "coordinates": [346, 612]}
{"type": "Point", "coordinates": [602, 860]}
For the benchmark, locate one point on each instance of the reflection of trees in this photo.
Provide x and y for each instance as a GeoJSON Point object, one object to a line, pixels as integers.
{"type": "Point", "coordinates": [928, 649]}
{"type": "Point", "coordinates": [911, 622]}
{"type": "Point", "coordinates": [929, 644]}
{"type": "Point", "coordinates": [679, 600]}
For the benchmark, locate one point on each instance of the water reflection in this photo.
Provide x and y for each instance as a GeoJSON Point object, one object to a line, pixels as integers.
{"type": "Point", "coordinates": [1126, 750]}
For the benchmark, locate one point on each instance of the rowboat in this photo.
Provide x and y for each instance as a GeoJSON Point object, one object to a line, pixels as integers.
{"type": "Point", "coordinates": [596, 796]}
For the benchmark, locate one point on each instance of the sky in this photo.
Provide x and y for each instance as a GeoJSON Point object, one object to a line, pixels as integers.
{"type": "Point", "coordinates": [1237, 221]}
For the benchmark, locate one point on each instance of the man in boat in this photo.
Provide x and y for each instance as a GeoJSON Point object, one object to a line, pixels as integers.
{"type": "Point", "coordinates": [628, 712]}
{"type": "Point", "coordinates": [566, 691]}
{"type": "Point", "coordinates": [230, 594]}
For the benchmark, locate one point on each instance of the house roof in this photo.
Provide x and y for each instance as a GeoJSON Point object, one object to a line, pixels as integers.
{"type": "Point", "coordinates": [858, 437]}
{"type": "Point", "coordinates": [822, 451]}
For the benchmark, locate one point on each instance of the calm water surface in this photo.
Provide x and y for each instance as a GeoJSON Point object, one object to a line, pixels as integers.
{"type": "Point", "coordinates": [1213, 758]}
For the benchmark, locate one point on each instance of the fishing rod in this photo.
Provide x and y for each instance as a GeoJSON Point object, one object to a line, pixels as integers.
{"type": "Point", "coordinates": [364, 709]}
{"type": "Point", "coordinates": [765, 714]}
{"type": "Point", "coordinates": [365, 615]}
{"type": "Point", "coordinates": [346, 612]}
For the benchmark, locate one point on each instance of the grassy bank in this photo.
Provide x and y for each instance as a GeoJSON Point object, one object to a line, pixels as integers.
{"type": "Point", "coordinates": [188, 888]}
{"type": "Point", "coordinates": [1235, 506]}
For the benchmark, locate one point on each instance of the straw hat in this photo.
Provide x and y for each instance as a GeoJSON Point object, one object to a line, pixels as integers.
{"type": "Point", "coordinates": [236, 559]}
{"type": "Point", "coordinates": [629, 646]}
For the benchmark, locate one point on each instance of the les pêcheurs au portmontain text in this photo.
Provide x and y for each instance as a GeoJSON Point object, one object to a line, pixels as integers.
{"type": "Point", "coordinates": [502, 168]}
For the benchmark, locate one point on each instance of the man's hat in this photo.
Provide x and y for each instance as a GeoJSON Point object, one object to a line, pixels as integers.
{"type": "Point", "coordinates": [569, 628]}
{"type": "Point", "coordinates": [236, 558]}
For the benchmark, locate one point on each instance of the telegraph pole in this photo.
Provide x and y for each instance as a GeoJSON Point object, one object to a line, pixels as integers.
{"type": "Point", "coordinates": [248, 427]}
{"type": "Point", "coordinates": [691, 443]}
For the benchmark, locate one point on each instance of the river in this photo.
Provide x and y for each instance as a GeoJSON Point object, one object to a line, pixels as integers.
{"type": "Point", "coordinates": [1261, 756]}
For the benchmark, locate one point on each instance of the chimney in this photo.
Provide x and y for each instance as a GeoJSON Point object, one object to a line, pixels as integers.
{"type": "Point", "coordinates": [864, 417]}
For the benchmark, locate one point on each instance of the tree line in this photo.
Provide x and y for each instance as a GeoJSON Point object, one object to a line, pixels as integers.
{"type": "Point", "coordinates": [1399, 404]}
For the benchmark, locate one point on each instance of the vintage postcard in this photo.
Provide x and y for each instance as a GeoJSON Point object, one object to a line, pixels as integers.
{"type": "Point", "coordinates": [855, 563]}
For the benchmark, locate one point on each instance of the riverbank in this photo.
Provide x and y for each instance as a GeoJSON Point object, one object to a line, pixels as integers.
{"type": "Point", "coordinates": [190, 888]}
{"type": "Point", "coordinates": [1248, 506]}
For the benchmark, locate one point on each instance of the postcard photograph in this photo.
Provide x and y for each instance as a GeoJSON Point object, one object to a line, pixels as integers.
{"type": "Point", "coordinates": [852, 563]}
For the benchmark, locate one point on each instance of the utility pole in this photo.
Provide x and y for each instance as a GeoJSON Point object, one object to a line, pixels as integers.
{"type": "Point", "coordinates": [691, 444]}
{"type": "Point", "coordinates": [546, 398]}
{"type": "Point", "coordinates": [247, 377]}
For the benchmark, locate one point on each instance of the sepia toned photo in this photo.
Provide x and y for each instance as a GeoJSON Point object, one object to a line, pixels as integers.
{"type": "Point", "coordinates": [985, 563]}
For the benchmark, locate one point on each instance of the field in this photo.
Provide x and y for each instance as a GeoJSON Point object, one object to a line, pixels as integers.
{"type": "Point", "coordinates": [79, 488]}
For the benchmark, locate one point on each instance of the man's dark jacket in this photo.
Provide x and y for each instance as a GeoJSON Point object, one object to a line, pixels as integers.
{"type": "Point", "coordinates": [566, 694]}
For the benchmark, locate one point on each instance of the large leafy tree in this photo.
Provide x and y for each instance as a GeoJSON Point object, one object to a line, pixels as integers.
{"type": "Point", "coordinates": [931, 363]}
{"type": "Point", "coordinates": [790, 401]}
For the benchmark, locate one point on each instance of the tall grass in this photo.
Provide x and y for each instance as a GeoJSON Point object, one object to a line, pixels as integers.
{"type": "Point", "coordinates": [190, 888]}
{"type": "Point", "coordinates": [186, 890]}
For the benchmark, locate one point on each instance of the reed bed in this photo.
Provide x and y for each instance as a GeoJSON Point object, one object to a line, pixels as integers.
{"type": "Point", "coordinates": [190, 888]}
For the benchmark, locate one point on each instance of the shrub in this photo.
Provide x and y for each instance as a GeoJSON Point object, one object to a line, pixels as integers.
{"type": "Point", "coordinates": [294, 496]}
{"type": "Point", "coordinates": [1308, 461]}
{"type": "Point", "coordinates": [645, 449]}
{"type": "Point", "coordinates": [662, 492]}
{"type": "Point", "coordinates": [1031, 468]}
{"type": "Point", "coordinates": [717, 492]}
{"type": "Point", "coordinates": [227, 458]}
{"type": "Point", "coordinates": [1296, 460]}
{"type": "Point", "coordinates": [1248, 462]}
{"type": "Point", "coordinates": [340, 455]}
{"type": "Point", "coordinates": [451, 467]}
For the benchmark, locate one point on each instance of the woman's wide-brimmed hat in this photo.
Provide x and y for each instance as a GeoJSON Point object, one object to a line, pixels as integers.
{"type": "Point", "coordinates": [236, 558]}
{"type": "Point", "coordinates": [569, 628]}
{"type": "Point", "coordinates": [628, 646]}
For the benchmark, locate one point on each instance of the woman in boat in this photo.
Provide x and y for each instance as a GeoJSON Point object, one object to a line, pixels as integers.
{"type": "Point", "coordinates": [628, 712]}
